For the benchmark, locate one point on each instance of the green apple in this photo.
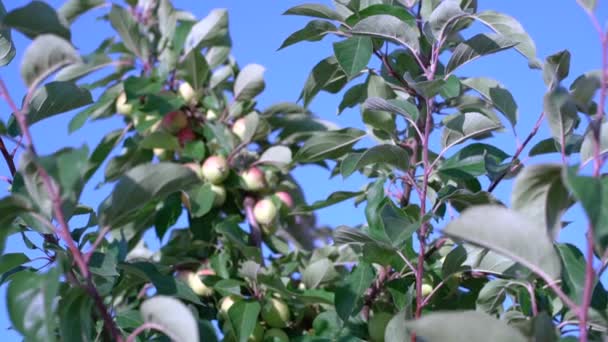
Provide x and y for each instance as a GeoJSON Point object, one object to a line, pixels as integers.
{"type": "Point", "coordinates": [276, 313]}
{"type": "Point", "coordinates": [211, 115]}
{"type": "Point", "coordinates": [187, 92]}
{"type": "Point", "coordinates": [122, 107]}
{"type": "Point", "coordinates": [275, 335]}
{"type": "Point", "coordinates": [253, 179]}
{"type": "Point", "coordinates": [175, 121]}
{"type": "Point", "coordinates": [377, 325]}
{"type": "Point", "coordinates": [220, 195]}
{"type": "Point", "coordinates": [239, 128]}
{"type": "Point", "coordinates": [195, 283]}
{"type": "Point", "coordinates": [426, 289]}
{"type": "Point", "coordinates": [265, 212]}
{"type": "Point", "coordinates": [215, 169]}
{"type": "Point", "coordinates": [285, 197]}
{"type": "Point", "coordinates": [226, 303]}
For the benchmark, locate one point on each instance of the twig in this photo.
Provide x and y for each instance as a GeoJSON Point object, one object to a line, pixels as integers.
{"type": "Point", "coordinates": [146, 326]}
{"type": "Point", "coordinates": [96, 243]}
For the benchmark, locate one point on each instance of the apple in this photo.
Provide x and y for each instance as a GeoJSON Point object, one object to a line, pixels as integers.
{"type": "Point", "coordinates": [426, 289]}
{"type": "Point", "coordinates": [175, 121]}
{"type": "Point", "coordinates": [185, 135]}
{"type": "Point", "coordinates": [122, 107]}
{"type": "Point", "coordinates": [239, 128]}
{"type": "Point", "coordinates": [276, 313]}
{"type": "Point", "coordinates": [377, 325]}
{"type": "Point", "coordinates": [215, 169]}
{"type": "Point", "coordinates": [226, 303]}
{"type": "Point", "coordinates": [196, 168]}
{"type": "Point", "coordinates": [285, 197]}
{"type": "Point", "coordinates": [187, 92]}
{"type": "Point", "coordinates": [265, 212]}
{"type": "Point", "coordinates": [211, 115]}
{"type": "Point", "coordinates": [220, 195]}
{"type": "Point", "coordinates": [253, 179]}
{"type": "Point", "coordinates": [275, 335]}
{"type": "Point", "coordinates": [195, 283]}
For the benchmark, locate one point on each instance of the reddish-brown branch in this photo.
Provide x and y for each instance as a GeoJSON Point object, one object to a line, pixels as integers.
{"type": "Point", "coordinates": [144, 327]}
{"type": "Point", "coordinates": [8, 158]}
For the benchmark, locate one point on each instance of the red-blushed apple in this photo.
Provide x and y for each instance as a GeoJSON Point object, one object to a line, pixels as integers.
{"type": "Point", "coordinates": [275, 335]}
{"type": "Point", "coordinates": [377, 325]}
{"type": "Point", "coordinates": [195, 283]}
{"type": "Point", "coordinates": [187, 92]}
{"type": "Point", "coordinates": [239, 128]}
{"type": "Point", "coordinates": [265, 212]}
{"type": "Point", "coordinates": [285, 197]}
{"type": "Point", "coordinates": [275, 313]}
{"type": "Point", "coordinates": [211, 115]}
{"type": "Point", "coordinates": [215, 169]}
{"type": "Point", "coordinates": [175, 121]}
{"type": "Point", "coordinates": [220, 195]}
{"type": "Point", "coordinates": [122, 107]}
{"type": "Point", "coordinates": [185, 135]}
{"type": "Point", "coordinates": [253, 179]}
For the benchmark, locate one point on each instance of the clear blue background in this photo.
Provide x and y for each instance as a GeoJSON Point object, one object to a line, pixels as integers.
{"type": "Point", "coordinates": [258, 29]}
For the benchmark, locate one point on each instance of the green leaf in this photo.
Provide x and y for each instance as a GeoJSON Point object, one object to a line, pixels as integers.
{"type": "Point", "coordinates": [501, 230]}
{"type": "Point", "coordinates": [328, 145]}
{"type": "Point", "coordinates": [561, 112]}
{"type": "Point", "coordinates": [56, 98]}
{"type": "Point", "coordinates": [103, 107]}
{"type": "Point", "coordinates": [252, 122]}
{"type": "Point", "coordinates": [336, 197]}
{"type": "Point", "coordinates": [588, 5]}
{"type": "Point", "coordinates": [573, 145]}
{"type": "Point", "coordinates": [480, 45]}
{"type": "Point", "coordinates": [396, 329]}
{"type": "Point", "coordinates": [314, 31]}
{"type": "Point", "coordinates": [463, 126]}
{"type": "Point", "coordinates": [177, 320]}
{"type": "Point", "coordinates": [45, 55]}
{"type": "Point", "coordinates": [201, 200]}
{"type": "Point", "coordinates": [540, 194]}
{"type": "Point", "coordinates": [46, 20]}
{"type": "Point", "coordinates": [492, 296]}
{"type": "Point", "coordinates": [314, 10]}
{"type": "Point", "coordinates": [168, 214]}
{"type": "Point", "coordinates": [353, 54]}
{"type": "Point", "coordinates": [587, 147]}
{"type": "Point", "coordinates": [512, 30]}
{"type": "Point", "coordinates": [76, 303]}
{"type": "Point", "coordinates": [88, 65]}
{"type": "Point", "coordinates": [471, 159]}
{"type": "Point", "coordinates": [249, 82]}
{"type": "Point", "coordinates": [103, 265]}
{"type": "Point", "coordinates": [278, 155]}
{"type": "Point", "coordinates": [139, 186]}
{"type": "Point", "coordinates": [557, 68]}
{"type": "Point", "coordinates": [243, 317]}
{"type": "Point", "coordinates": [160, 139]}
{"type": "Point", "coordinates": [349, 295]}
{"type": "Point", "coordinates": [401, 107]}
{"type": "Point", "coordinates": [497, 94]}
{"type": "Point", "coordinates": [7, 48]}
{"type": "Point", "coordinates": [72, 9]}
{"type": "Point", "coordinates": [390, 28]}
{"type": "Point", "coordinates": [317, 272]}
{"type": "Point", "coordinates": [382, 8]}
{"type": "Point", "coordinates": [461, 326]}
{"type": "Point", "coordinates": [208, 31]}
{"type": "Point", "coordinates": [194, 69]}
{"type": "Point", "coordinates": [443, 16]}
{"type": "Point", "coordinates": [326, 75]}
{"type": "Point", "coordinates": [102, 151]}
{"type": "Point", "coordinates": [30, 299]}
{"type": "Point", "coordinates": [584, 88]}
{"type": "Point", "coordinates": [573, 273]}
{"type": "Point", "coordinates": [9, 261]}
{"type": "Point", "coordinates": [385, 154]}
{"type": "Point", "coordinates": [10, 208]}
{"type": "Point", "coordinates": [388, 223]}
{"type": "Point", "coordinates": [127, 27]}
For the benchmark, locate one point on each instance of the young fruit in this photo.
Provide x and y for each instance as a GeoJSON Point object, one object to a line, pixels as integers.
{"type": "Point", "coordinates": [265, 212]}
{"type": "Point", "coordinates": [175, 121]}
{"type": "Point", "coordinates": [211, 115]}
{"type": "Point", "coordinates": [220, 195]}
{"type": "Point", "coordinates": [285, 197]}
{"type": "Point", "coordinates": [275, 335]}
{"type": "Point", "coordinates": [253, 179]}
{"type": "Point", "coordinates": [215, 169]}
{"type": "Point", "coordinates": [377, 325]}
{"type": "Point", "coordinates": [226, 303]}
{"type": "Point", "coordinates": [239, 128]}
{"type": "Point", "coordinates": [195, 283]}
{"type": "Point", "coordinates": [122, 107]}
{"type": "Point", "coordinates": [186, 92]}
{"type": "Point", "coordinates": [276, 313]}
{"type": "Point", "coordinates": [185, 135]}
{"type": "Point", "coordinates": [426, 289]}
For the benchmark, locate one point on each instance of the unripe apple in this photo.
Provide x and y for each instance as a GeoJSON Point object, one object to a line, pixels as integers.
{"type": "Point", "coordinates": [175, 121]}
{"type": "Point", "coordinates": [265, 212]}
{"type": "Point", "coordinates": [220, 195]}
{"type": "Point", "coordinates": [122, 107]}
{"type": "Point", "coordinates": [215, 169]}
{"type": "Point", "coordinates": [211, 115]}
{"type": "Point", "coordinates": [253, 179]}
{"type": "Point", "coordinates": [285, 197]}
{"type": "Point", "coordinates": [185, 135]}
{"type": "Point", "coordinates": [276, 313]}
{"type": "Point", "coordinates": [426, 289]}
{"type": "Point", "coordinates": [195, 283]}
{"type": "Point", "coordinates": [239, 128]}
{"type": "Point", "coordinates": [377, 325]}
{"type": "Point", "coordinates": [186, 92]}
{"type": "Point", "coordinates": [275, 335]}
{"type": "Point", "coordinates": [226, 303]}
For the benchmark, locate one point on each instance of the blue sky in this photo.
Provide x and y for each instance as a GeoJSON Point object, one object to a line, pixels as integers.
{"type": "Point", "coordinates": [258, 29]}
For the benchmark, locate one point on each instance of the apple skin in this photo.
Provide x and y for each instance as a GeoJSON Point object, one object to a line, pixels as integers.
{"type": "Point", "coordinates": [377, 325]}
{"type": "Point", "coordinates": [187, 92]}
{"type": "Point", "coordinates": [426, 289]}
{"type": "Point", "coordinates": [226, 303]}
{"type": "Point", "coordinates": [286, 198]}
{"type": "Point", "coordinates": [122, 107]}
{"type": "Point", "coordinates": [275, 335]}
{"type": "Point", "coordinates": [211, 115]}
{"type": "Point", "coordinates": [185, 135]}
{"type": "Point", "coordinates": [220, 195]}
{"type": "Point", "coordinates": [239, 128]}
{"type": "Point", "coordinates": [195, 283]}
{"type": "Point", "coordinates": [175, 121]}
{"type": "Point", "coordinates": [253, 179]}
{"type": "Point", "coordinates": [275, 313]}
{"type": "Point", "coordinates": [215, 169]}
{"type": "Point", "coordinates": [265, 212]}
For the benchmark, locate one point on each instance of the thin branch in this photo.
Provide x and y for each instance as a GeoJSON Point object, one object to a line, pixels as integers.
{"type": "Point", "coordinates": [144, 327]}
{"type": "Point", "coordinates": [96, 243]}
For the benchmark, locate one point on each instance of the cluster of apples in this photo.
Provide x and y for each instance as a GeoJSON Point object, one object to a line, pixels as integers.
{"type": "Point", "coordinates": [275, 314]}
